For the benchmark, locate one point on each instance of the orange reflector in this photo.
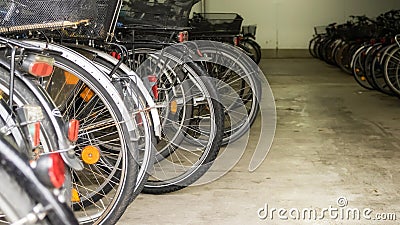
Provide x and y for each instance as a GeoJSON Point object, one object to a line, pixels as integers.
{"type": "Point", "coordinates": [174, 107]}
{"type": "Point", "coordinates": [87, 94]}
{"type": "Point", "coordinates": [73, 130]}
{"type": "Point", "coordinates": [41, 69]}
{"type": "Point", "coordinates": [357, 70]}
{"type": "Point", "coordinates": [363, 78]}
{"type": "Point", "coordinates": [36, 134]}
{"type": "Point", "coordinates": [70, 78]}
{"type": "Point", "coordinates": [75, 195]}
{"type": "Point", "coordinates": [90, 155]}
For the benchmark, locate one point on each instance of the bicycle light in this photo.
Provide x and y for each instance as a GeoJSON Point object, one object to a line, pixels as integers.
{"type": "Point", "coordinates": [73, 130]}
{"type": "Point", "coordinates": [50, 170]}
{"type": "Point", "coordinates": [31, 116]}
{"type": "Point", "coordinates": [38, 65]}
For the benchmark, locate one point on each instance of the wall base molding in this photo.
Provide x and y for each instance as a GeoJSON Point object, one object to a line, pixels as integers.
{"type": "Point", "coordinates": [285, 53]}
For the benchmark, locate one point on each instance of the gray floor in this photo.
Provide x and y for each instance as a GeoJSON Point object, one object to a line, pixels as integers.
{"type": "Point", "coordinates": [333, 140]}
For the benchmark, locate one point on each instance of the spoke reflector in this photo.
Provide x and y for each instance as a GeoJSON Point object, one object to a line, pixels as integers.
{"type": "Point", "coordinates": [90, 155]}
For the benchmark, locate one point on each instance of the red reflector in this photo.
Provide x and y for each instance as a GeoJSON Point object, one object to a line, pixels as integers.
{"type": "Point", "coordinates": [139, 119]}
{"type": "Point", "coordinates": [73, 130]}
{"type": "Point", "coordinates": [36, 134]}
{"type": "Point", "coordinates": [57, 170]}
{"type": "Point", "coordinates": [41, 69]}
{"type": "Point", "coordinates": [116, 55]}
{"type": "Point", "coordinates": [183, 36]}
{"type": "Point", "coordinates": [155, 91]}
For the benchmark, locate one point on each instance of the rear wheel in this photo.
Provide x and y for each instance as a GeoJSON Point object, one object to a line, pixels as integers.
{"type": "Point", "coordinates": [359, 71]}
{"type": "Point", "coordinates": [392, 70]}
{"type": "Point", "coordinates": [253, 47]}
{"type": "Point", "coordinates": [191, 118]}
{"type": "Point", "coordinates": [107, 147]}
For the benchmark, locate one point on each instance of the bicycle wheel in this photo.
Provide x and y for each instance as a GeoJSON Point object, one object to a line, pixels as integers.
{"type": "Point", "coordinates": [253, 47]}
{"type": "Point", "coordinates": [369, 57]}
{"type": "Point", "coordinates": [112, 175]}
{"type": "Point", "coordinates": [139, 110]}
{"type": "Point", "coordinates": [378, 74]}
{"type": "Point", "coordinates": [107, 142]}
{"type": "Point", "coordinates": [311, 46]}
{"type": "Point", "coordinates": [191, 123]}
{"type": "Point", "coordinates": [15, 203]}
{"type": "Point", "coordinates": [392, 70]}
{"type": "Point", "coordinates": [23, 198]}
{"type": "Point", "coordinates": [358, 68]}
{"type": "Point", "coordinates": [237, 71]}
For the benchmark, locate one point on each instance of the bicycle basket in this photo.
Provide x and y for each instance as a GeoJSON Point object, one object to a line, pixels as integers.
{"type": "Point", "coordinates": [249, 30]}
{"type": "Point", "coordinates": [22, 15]}
{"type": "Point", "coordinates": [102, 26]}
{"type": "Point", "coordinates": [227, 23]}
{"type": "Point", "coordinates": [318, 30]}
{"type": "Point", "coordinates": [167, 13]}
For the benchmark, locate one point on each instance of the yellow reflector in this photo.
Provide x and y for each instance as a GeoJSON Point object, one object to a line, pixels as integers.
{"type": "Point", "coordinates": [75, 196]}
{"type": "Point", "coordinates": [70, 78]}
{"type": "Point", "coordinates": [174, 107]}
{"type": "Point", "coordinates": [86, 94]}
{"type": "Point", "coordinates": [90, 155]}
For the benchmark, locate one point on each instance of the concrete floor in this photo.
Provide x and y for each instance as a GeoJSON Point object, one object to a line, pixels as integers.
{"type": "Point", "coordinates": [333, 140]}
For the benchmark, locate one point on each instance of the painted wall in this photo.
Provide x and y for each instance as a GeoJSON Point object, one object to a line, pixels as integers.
{"type": "Point", "coordinates": [288, 24]}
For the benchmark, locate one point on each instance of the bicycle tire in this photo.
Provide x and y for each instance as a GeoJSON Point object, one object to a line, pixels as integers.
{"type": "Point", "coordinates": [174, 149]}
{"type": "Point", "coordinates": [253, 47]}
{"type": "Point", "coordinates": [15, 202]}
{"type": "Point", "coordinates": [111, 106]}
{"type": "Point", "coordinates": [392, 70]}
{"type": "Point", "coordinates": [129, 166]}
{"type": "Point", "coordinates": [358, 68]}
{"type": "Point", "coordinates": [225, 57]}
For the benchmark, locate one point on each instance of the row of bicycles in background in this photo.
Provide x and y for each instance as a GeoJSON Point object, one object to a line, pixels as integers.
{"type": "Point", "coordinates": [166, 22]}
{"type": "Point", "coordinates": [96, 108]}
{"type": "Point", "coordinates": [366, 48]}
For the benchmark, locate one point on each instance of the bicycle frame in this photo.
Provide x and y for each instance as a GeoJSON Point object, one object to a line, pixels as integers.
{"type": "Point", "coordinates": [64, 146]}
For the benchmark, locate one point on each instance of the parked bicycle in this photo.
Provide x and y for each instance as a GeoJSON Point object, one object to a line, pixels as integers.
{"type": "Point", "coordinates": [365, 48]}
